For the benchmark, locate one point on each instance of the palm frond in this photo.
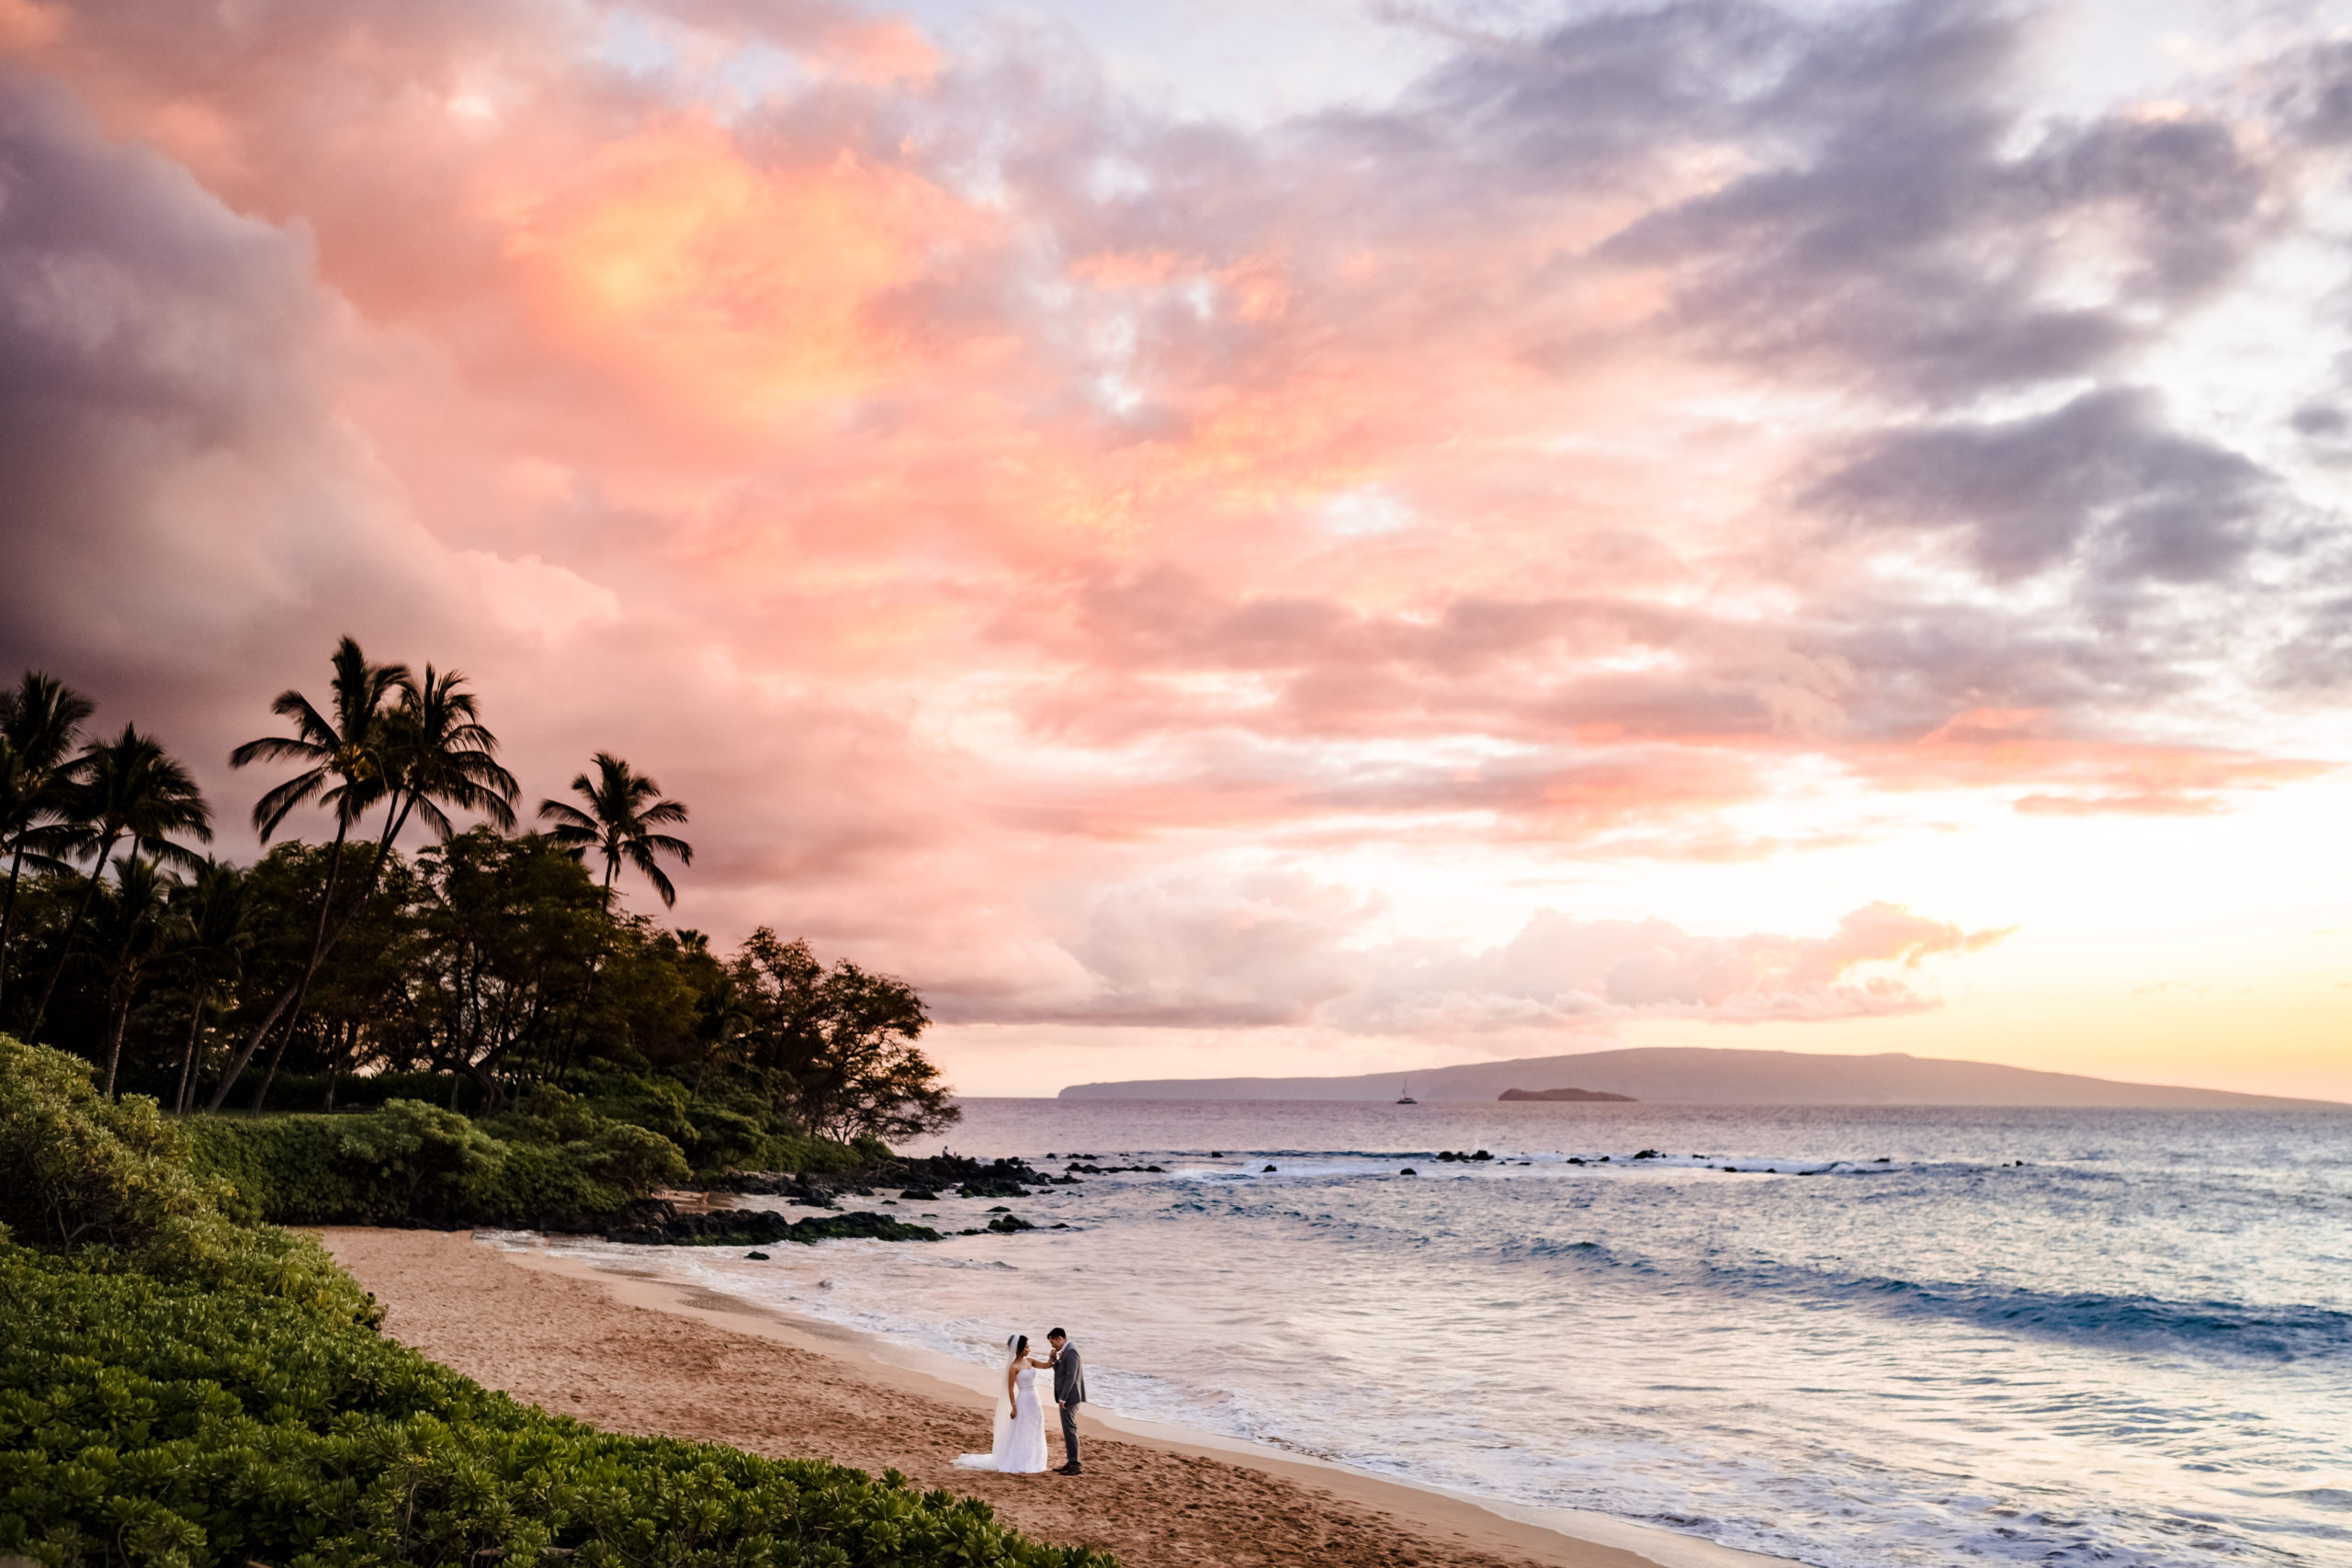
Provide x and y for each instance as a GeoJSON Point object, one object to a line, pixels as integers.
{"type": "Point", "coordinates": [278, 749]}
{"type": "Point", "coordinates": [567, 819]}
{"type": "Point", "coordinates": [669, 846]}
{"type": "Point", "coordinates": [641, 855]}
{"type": "Point", "coordinates": [272, 808]}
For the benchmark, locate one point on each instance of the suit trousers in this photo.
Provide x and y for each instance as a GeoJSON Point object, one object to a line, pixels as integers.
{"type": "Point", "coordinates": [1069, 1433]}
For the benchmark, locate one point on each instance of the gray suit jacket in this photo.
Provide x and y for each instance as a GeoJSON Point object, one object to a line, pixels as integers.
{"type": "Point", "coordinates": [1069, 1377]}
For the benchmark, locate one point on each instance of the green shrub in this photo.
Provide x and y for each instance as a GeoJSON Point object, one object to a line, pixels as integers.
{"type": "Point", "coordinates": [148, 1421]}
{"type": "Point", "coordinates": [560, 1166]}
{"type": "Point", "coordinates": [291, 1169]}
{"type": "Point", "coordinates": [723, 1124]}
{"type": "Point", "coordinates": [75, 1167]}
{"type": "Point", "coordinates": [111, 1180]}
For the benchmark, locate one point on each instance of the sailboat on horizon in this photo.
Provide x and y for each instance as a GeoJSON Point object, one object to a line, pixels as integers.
{"type": "Point", "coordinates": [1403, 1098]}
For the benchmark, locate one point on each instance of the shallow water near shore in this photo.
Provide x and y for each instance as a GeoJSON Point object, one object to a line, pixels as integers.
{"type": "Point", "coordinates": [1884, 1336]}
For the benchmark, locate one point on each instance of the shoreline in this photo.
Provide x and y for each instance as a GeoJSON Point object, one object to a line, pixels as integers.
{"type": "Point", "coordinates": [1144, 1504]}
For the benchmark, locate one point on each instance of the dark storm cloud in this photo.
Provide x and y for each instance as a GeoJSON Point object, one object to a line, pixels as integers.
{"type": "Point", "coordinates": [1891, 231]}
{"type": "Point", "coordinates": [178, 498]}
{"type": "Point", "coordinates": [2100, 480]}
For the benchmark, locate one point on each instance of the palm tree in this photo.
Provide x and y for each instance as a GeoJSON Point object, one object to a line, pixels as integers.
{"type": "Point", "coordinates": [39, 721]}
{"type": "Point", "coordinates": [442, 756]}
{"type": "Point", "coordinates": [211, 932]}
{"type": "Point", "coordinates": [125, 790]}
{"type": "Point", "coordinates": [624, 807]}
{"type": "Point", "coordinates": [436, 754]}
{"type": "Point", "coordinates": [128, 929]}
{"type": "Point", "coordinates": [342, 768]}
{"type": "Point", "coordinates": [432, 752]}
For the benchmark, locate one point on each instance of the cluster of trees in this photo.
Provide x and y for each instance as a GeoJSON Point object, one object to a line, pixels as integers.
{"type": "Point", "coordinates": [494, 957]}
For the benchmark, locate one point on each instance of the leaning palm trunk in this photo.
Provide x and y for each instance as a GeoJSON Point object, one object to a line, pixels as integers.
{"type": "Point", "coordinates": [245, 1052]}
{"type": "Point", "coordinates": [292, 999]}
{"type": "Point", "coordinates": [118, 1015]}
{"type": "Point", "coordinates": [72, 927]}
{"type": "Point", "coordinates": [588, 998]}
{"type": "Point", "coordinates": [8, 915]}
{"type": "Point", "coordinates": [318, 953]}
{"type": "Point", "coordinates": [188, 1052]}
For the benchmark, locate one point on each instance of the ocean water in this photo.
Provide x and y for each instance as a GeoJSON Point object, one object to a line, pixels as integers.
{"type": "Point", "coordinates": [1885, 1337]}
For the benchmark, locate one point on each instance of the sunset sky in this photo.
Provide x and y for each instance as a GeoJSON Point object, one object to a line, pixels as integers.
{"type": "Point", "coordinates": [1309, 535]}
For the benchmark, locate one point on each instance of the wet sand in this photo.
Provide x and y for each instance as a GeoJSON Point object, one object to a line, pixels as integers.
{"type": "Point", "coordinates": [639, 1355]}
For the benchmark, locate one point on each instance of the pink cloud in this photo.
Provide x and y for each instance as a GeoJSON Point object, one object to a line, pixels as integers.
{"type": "Point", "coordinates": [989, 499]}
{"type": "Point", "coordinates": [1563, 972]}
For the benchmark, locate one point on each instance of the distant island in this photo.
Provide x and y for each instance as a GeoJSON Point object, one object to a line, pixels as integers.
{"type": "Point", "coordinates": [1726, 1075]}
{"type": "Point", "coordinates": [1578, 1094]}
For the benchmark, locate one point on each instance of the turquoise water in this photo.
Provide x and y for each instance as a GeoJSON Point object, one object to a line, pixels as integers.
{"type": "Point", "coordinates": [1885, 1337]}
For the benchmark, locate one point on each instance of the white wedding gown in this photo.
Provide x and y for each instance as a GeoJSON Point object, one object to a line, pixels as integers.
{"type": "Point", "coordinates": [1021, 1437]}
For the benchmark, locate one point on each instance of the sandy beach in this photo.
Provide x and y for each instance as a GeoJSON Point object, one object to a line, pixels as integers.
{"type": "Point", "coordinates": [636, 1355]}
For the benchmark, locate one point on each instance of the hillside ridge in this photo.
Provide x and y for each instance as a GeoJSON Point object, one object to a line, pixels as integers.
{"type": "Point", "coordinates": [1673, 1075]}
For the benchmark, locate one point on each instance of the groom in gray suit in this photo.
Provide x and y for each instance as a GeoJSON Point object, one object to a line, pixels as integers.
{"type": "Point", "coordinates": [1069, 1393]}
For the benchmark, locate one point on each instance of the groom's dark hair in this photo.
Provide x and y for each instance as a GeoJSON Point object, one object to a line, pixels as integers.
{"type": "Point", "coordinates": [1056, 1334]}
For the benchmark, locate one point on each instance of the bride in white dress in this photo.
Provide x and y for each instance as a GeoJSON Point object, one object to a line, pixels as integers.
{"type": "Point", "coordinates": [1020, 1420]}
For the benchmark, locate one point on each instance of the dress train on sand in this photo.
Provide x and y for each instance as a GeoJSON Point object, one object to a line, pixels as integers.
{"type": "Point", "coordinates": [1020, 1438]}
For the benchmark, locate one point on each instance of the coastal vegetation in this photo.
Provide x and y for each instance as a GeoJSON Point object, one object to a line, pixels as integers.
{"type": "Point", "coordinates": [185, 1389]}
{"type": "Point", "coordinates": [448, 1016]}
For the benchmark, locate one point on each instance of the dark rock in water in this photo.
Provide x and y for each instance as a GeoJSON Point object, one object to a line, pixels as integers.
{"type": "Point", "coordinates": [762, 1227]}
{"type": "Point", "coordinates": [1103, 1170]}
{"type": "Point", "coordinates": [1482, 1155]}
{"type": "Point", "coordinates": [1409, 1171]}
{"type": "Point", "coordinates": [1217, 1153]}
{"type": "Point", "coordinates": [1268, 1171]}
{"type": "Point", "coordinates": [1883, 1159]}
{"type": "Point", "coordinates": [1650, 1154]}
{"type": "Point", "coordinates": [1564, 1094]}
{"type": "Point", "coordinates": [994, 1190]}
{"type": "Point", "coordinates": [1001, 1208]}
{"type": "Point", "coordinates": [1005, 1224]}
{"type": "Point", "coordinates": [919, 1181]}
{"type": "Point", "coordinates": [1575, 1159]}
{"type": "Point", "coordinates": [756, 1257]}
{"type": "Point", "coordinates": [1061, 1225]}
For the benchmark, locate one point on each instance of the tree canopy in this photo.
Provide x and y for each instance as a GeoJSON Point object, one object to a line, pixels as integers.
{"type": "Point", "coordinates": [476, 965]}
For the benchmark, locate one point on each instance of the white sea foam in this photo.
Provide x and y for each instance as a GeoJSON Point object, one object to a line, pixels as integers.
{"type": "Point", "coordinates": [1883, 1342]}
